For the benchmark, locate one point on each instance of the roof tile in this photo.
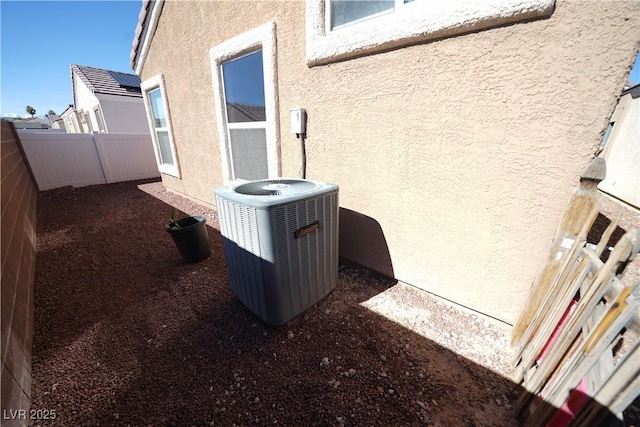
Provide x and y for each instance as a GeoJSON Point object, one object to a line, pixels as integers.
{"type": "Point", "coordinates": [108, 82]}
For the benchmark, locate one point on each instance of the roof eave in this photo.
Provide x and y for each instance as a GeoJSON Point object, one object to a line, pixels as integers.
{"type": "Point", "coordinates": [145, 30]}
{"type": "Point", "coordinates": [128, 95]}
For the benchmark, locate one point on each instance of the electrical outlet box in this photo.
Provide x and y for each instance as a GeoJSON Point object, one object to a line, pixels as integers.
{"type": "Point", "coordinates": [298, 120]}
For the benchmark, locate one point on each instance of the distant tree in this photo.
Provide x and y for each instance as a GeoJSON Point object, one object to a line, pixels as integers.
{"type": "Point", "coordinates": [30, 110]}
{"type": "Point", "coordinates": [51, 113]}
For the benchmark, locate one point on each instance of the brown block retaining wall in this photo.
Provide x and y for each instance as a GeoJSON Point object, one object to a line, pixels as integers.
{"type": "Point", "coordinates": [18, 253]}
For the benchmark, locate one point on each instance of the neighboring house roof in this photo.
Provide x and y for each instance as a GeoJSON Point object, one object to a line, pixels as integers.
{"type": "Point", "coordinates": [100, 81]}
{"type": "Point", "coordinates": [246, 113]}
{"type": "Point", "coordinates": [147, 23]}
{"type": "Point", "coordinates": [34, 123]}
{"type": "Point", "coordinates": [69, 108]}
{"type": "Point", "coordinates": [53, 118]}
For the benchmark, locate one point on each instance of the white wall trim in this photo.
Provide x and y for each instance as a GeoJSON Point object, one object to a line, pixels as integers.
{"type": "Point", "coordinates": [415, 22]}
{"type": "Point", "coordinates": [263, 37]}
{"type": "Point", "coordinates": [147, 86]}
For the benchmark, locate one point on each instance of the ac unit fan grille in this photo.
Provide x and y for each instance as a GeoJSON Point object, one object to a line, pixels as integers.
{"type": "Point", "coordinates": [239, 230]}
{"type": "Point", "coordinates": [276, 187]}
{"type": "Point", "coordinates": [312, 259]}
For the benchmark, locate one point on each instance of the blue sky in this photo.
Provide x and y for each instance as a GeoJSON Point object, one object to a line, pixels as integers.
{"type": "Point", "coordinates": [635, 71]}
{"type": "Point", "coordinates": [41, 39]}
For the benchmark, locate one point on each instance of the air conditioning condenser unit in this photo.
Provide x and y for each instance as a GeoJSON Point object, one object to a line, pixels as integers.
{"type": "Point", "coordinates": [280, 239]}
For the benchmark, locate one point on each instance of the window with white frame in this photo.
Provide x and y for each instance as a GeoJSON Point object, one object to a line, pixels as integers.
{"type": "Point", "coordinates": [159, 120]}
{"type": "Point", "coordinates": [341, 29]}
{"type": "Point", "coordinates": [87, 122]}
{"type": "Point", "coordinates": [70, 125]}
{"type": "Point", "coordinates": [347, 12]}
{"type": "Point", "coordinates": [244, 70]}
{"type": "Point", "coordinates": [99, 119]}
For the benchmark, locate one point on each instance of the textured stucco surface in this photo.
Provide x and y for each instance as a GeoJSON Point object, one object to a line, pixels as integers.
{"type": "Point", "coordinates": [463, 152]}
{"type": "Point", "coordinates": [414, 22]}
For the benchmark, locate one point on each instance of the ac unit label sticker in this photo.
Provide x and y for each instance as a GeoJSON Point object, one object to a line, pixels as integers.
{"type": "Point", "coordinates": [307, 229]}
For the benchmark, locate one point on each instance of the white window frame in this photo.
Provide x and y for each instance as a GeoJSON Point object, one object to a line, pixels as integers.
{"type": "Point", "coordinates": [86, 119]}
{"type": "Point", "coordinates": [414, 22]}
{"type": "Point", "coordinates": [263, 37]}
{"type": "Point", "coordinates": [97, 112]}
{"type": "Point", "coordinates": [327, 22]}
{"type": "Point", "coordinates": [149, 85]}
{"type": "Point", "coordinates": [70, 125]}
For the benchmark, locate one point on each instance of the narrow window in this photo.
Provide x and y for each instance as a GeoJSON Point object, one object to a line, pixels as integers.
{"type": "Point", "coordinates": [160, 127]}
{"type": "Point", "coordinates": [246, 120]}
{"type": "Point", "coordinates": [245, 93]}
{"type": "Point", "coordinates": [99, 120]}
{"type": "Point", "coordinates": [87, 122]}
{"type": "Point", "coordinates": [159, 124]}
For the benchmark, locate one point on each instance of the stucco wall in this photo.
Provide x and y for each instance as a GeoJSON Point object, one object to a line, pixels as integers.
{"type": "Point", "coordinates": [19, 198]}
{"type": "Point", "coordinates": [461, 152]}
{"type": "Point", "coordinates": [622, 153]}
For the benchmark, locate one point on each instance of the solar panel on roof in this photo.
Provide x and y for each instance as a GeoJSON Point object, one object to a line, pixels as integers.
{"type": "Point", "coordinates": [126, 80]}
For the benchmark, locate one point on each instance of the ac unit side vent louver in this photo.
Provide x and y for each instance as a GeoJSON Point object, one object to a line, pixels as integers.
{"type": "Point", "coordinates": [281, 251]}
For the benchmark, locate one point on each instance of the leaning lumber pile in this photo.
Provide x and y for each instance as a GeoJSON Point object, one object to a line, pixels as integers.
{"type": "Point", "coordinates": [568, 341]}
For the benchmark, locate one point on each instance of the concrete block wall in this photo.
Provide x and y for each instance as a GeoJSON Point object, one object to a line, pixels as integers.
{"type": "Point", "coordinates": [18, 254]}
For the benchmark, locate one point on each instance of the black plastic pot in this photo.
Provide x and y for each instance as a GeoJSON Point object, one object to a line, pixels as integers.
{"type": "Point", "coordinates": [191, 239]}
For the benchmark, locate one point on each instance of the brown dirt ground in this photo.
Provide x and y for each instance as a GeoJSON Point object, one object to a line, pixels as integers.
{"type": "Point", "coordinates": [127, 334]}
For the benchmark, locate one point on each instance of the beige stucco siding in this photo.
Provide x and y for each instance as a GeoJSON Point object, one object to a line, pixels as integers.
{"type": "Point", "coordinates": [464, 151]}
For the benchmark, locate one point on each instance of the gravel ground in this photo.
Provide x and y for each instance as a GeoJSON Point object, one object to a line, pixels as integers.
{"type": "Point", "coordinates": [127, 334]}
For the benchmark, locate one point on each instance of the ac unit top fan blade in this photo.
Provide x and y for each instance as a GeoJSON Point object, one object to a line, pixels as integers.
{"type": "Point", "coordinates": [276, 187]}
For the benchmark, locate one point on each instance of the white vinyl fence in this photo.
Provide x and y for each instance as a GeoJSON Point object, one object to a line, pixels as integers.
{"type": "Point", "coordinates": [77, 159]}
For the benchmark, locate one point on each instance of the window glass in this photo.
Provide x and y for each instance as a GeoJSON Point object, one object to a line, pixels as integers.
{"type": "Point", "coordinates": [159, 116]}
{"type": "Point", "coordinates": [87, 121]}
{"type": "Point", "coordinates": [244, 88]}
{"type": "Point", "coordinates": [243, 80]}
{"type": "Point", "coordinates": [159, 122]}
{"type": "Point", "coordinates": [99, 120]}
{"type": "Point", "coordinates": [249, 153]}
{"type": "Point", "coordinates": [165, 147]}
{"type": "Point", "coordinates": [348, 11]}
{"type": "Point", "coordinates": [246, 108]}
